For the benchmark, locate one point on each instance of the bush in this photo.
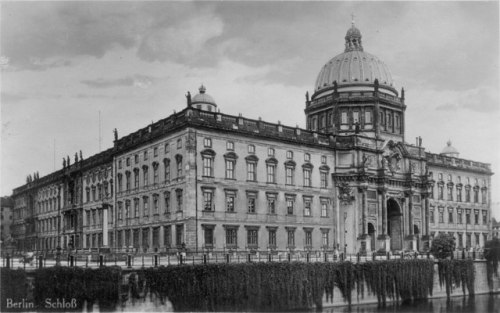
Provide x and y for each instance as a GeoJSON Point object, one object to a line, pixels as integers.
{"type": "Point", "coordinates": [492, 256]}
{"type": "Point", "coordinates": [443, 246]}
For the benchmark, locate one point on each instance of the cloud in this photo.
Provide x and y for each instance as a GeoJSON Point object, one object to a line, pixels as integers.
{"type": "Point", "coordinates": [140, 81]}
{"type": "Point", "coordinates": [12, 98]}
{"type": "Point", "coordinates": [482, 99]}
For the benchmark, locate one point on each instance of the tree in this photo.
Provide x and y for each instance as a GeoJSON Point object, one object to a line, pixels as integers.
{"type": "Point", "coordinates": [492, 254]}
{"type": "Point", "coordinates": [442, 246]}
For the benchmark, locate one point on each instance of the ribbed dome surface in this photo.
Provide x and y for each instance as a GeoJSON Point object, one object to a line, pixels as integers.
{"type": "Point", "coordinates": [353, 67]}
{"type": "Point", "coordinates": [449, 150]}
{"type": "Point", "coordinates": [203, 98]}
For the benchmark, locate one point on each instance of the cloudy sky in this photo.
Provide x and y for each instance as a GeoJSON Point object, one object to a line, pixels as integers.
{"type": "Point", "coordinates": [64, 62]}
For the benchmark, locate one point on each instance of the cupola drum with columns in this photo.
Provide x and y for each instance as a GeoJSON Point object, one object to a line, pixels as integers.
{"type": "Point", "coordinates": [203, 101]}
{"type": "Point", "coordinates": [355, 93]}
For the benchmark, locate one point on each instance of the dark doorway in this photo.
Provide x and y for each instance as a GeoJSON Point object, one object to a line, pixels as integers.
{"type": "Point", "coordinates": [394, 229]}
{"type": "Point", "coordinates": [371, 232]}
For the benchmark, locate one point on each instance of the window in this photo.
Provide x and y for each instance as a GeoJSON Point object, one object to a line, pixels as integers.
{"type": "Point", "coordinates": [179, 143]}
{"type": "Point", "coordinates": [136, 178]}
{"type": "Point", "coordinates": [485, 217]}
{"type": "Point", "coordinates": [230, 195]}
{"type": "Point", "coordinates": [324, 237]}
{"type": "Point", "coordinates": [476, 194]}
{"type": "Point", "coordinates": [270, 152]}
{"type": "Point", "coordinates": [178, 195]}
{"type": "Point", "coordinates": [289, 154]}
{"type": "Point", "coordinates": [307, 177]}
{"type": "Point", "coordinates": [155, 173]}
{"type": "Point", "coordinates": [323, 159]}
{"type": "Point", "coordinates": [441, 216]}
{"type": "Point", "coordinates": [271, 173]}
{"type": "Point", "coordinates": [450, 216]}
{"type": "Point", "coordinates": [136, 158]}
{"type": "Point", "coordinates": [127, 209]}
{"type": "Point", "coordinates": [209, 235]}
{"type": "Point", "coordinates": [120, 164]}
{"type": "Point", "coordinates": [146, 175]}
{"type": "Point", "coordinates": [450, 193]}
{"type": "Point", "coordinates": [290, 175]}
{"type": "Point", "coordinates": [230, 169]}
{"type": "Point", "coordinates": [271, 203]}
{"type": "Point", "coordinates": [476, 217]}
{"type": "Point", "coordinates": [128, 161]}
{"type": "Point", "coordinates": [251, 149]}
{"type": "Point", "coordinates": [167, 148]}
{"type": "Point", "coordinates": [252, 237]}
{"type": "Point", "coordinates": [155, 151]}
{"type": "Point", "coordinates": [208, 200]}
{"type": "Point", "coordinates": [307, 157]}
{"type": "Point", "coordinates": [290, 205]}
{"type": "Point", "coordinates": [179, 165]}
{"type": "Point", "coordinates": [145, 206]}
{"type": "Point", "coordinates": [324, 179]}
{"type": "Point", "coordinates": [368, 117]}
{"type": "Point", "coordinates": [307, 206]}
{"type": "Point", "coordinates": [459, 216]}
{"type": "Point", "coordinates": [207, 143]}
{"type": "Point", "coordinates": [483, 195]}
{"type": "Point", "coordinates": [167, 236]}
{"type": "Point", "coordinates": [355, 117]}
{"type": "Point", "coordinates": [208, 169]}
{"type": "Point", "coordinates": [343, 117]}
{"type": "Point", "coordinates": [324, 208]}
{"type": "Point", "coordinates": [251, 171]}
{"type": "Point", "coordinates": [290, 237]}
{"type": "Point", "coordinates": [476, 238]}
{"type": "Point", "coordinates": [308, 237]}
{"type": "Point", "coordinates": [467, 194]}
{"type": "Point", "coordinates": [166, 197]}
{"type": "Point", "coordinates": [156, 209]}
{"type": "Point", "coordinates": [230, 146]}
{"type": "Point", "coordinates": [459, 194]}
{"type": "Point", "coordinates": [87, 190]}
{"type": "Point", "coordinates": [136, 207]}
{"type": "Point", "coordinates": [272, 237]}
{"type": "Point", "coordinates": [440, 192]}
{"type": "Point", "coordinates": [251, 201]}
{"type": "Point", "coordinates": [231, 237]}
{"type": "Point", "coordinates": [166, 163]}
{"type": "Point", "coordinates": [145, 155]}
{"type": "Point", "coordinates": [460, 241]}
{"type": "Point", "coordinates": [467, 216]}
{"type": "Point", "coordinates": [179, 235]}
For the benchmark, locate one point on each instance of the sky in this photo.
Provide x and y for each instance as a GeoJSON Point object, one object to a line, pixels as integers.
{"type": "Point", "coordinates": [65, 66]}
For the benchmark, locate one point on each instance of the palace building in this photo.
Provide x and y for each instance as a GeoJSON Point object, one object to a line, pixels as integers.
{"type": "Point", "coordinates": [202, 180]}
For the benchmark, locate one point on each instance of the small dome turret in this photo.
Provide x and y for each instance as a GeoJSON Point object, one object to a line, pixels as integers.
{"type": "Point", "coordinates": [449, 150]}
{"type": "Point", "coordinates": [204, 101]}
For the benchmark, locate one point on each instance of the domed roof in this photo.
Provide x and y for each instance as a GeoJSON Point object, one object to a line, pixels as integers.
{"type": "Point", "coordinates": [354, 67]}
{"type": "Point", "coordinates": [449, 150]}
{"type": "Point", "coordinates": [203, 98]}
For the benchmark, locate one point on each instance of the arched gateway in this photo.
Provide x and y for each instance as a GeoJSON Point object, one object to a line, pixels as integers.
{"type": "Point", "coordinates": [394, 224]}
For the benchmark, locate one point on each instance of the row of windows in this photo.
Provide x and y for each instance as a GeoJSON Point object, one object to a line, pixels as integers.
{"type": "Point", "coordinates": [271, 171]}
{"type": "Point", "coordinates": [458, 179]}
{"type": "Point", "coordinates": [252, 236]}
{"type": "Point", "coordinates": [48, 205]}
{"type": "Point", "coordinates": [97, 175]}
{"type": "Point", "coordinates": [48, 224]}
{"type": "Point", "coordinates": [145, 154]}
{"type": "Point", "coordinates": [458, 214]}
{"type": "Point", "coordinates": [271, 201]}
{"type": "Point", "coordinates": [142, 205]}
{"type": "Point", "coordinates": [458, 197]}
{"type": "Point", "coordinates": [99, 192]}
{"type": "Point", "coordinates": [388, 120]}
{"type": "Point", "coordinates": [468, 239]}
{"type": "Point", "coordinates": [166, 175]}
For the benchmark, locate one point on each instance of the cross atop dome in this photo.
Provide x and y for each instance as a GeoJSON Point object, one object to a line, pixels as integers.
{"type": "Point", "coordinates": [353, 38]}
{"type": "Point", "coordinates": [202, 89]}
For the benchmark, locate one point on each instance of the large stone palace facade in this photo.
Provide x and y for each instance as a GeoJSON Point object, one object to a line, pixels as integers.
{"type": "Point", "coordinates": [207, 181]}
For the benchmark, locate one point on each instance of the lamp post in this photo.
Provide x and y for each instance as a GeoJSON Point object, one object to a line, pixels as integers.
{"type": "Point", "coordinates": [345, 232]}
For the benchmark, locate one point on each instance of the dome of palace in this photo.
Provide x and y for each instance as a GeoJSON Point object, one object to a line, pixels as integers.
{"type": "Point", "coordinates": [354, 69]}
{"type": "Point", "coordinates": [203, 98]}
{"type": "Point", "coordinates": [449, 150]}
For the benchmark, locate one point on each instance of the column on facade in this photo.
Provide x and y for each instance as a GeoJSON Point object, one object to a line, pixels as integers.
{"type": "Point", "coordinates": [363, 189]}
{"type": "Point", "coordinates": [383, 196]}
{"type": "Point", "coordinates": [105, 208]}
{"type": "Point", "coordinates": [426, 214]}
{"type": "Point", "coordinates": [410, 213]}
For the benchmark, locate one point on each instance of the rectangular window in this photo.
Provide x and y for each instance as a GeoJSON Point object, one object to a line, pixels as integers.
{"type": "Point", "coordinates": [156, 208]}
{"type": "Point", "coordinates": [179, 167]}
{"type": "Point", "coordinates": [290, 175]}
{"type": "Point", "coordinates": [167, 170]}
{"type": "Point", "coordinates": [460, 241]}
{"type": "Point", "coordinates": [251, 204]}
{"type": "Point", "coordinates": [307, 157]}
{"type": "Point", "coordinates": [167, 148]}
{"type": "Point", "coordinates": [207, 143]}
{"type": "Point", "coordinates": [167, 236]}
{"type": "Point", "coordinates": [155, 173]}
{"type": "Point", "coordinates": [440, 192]}
{"type": "Point", "coordinates": [431, 216]}
{"type": "Point", "coordinates": [307, 207]}
{"type": "Point", "coordinates": [271, 204]}
{"type": "Point", "coordinates": [208, 200]}
{"type": "Point", "coordinates": [355, 117]}
{"type": "Point", "coordinates": [289, 154]}
{"type": "Point", "coordinates": [270, 152]}
{"type": "Point", "coordinates": [136, 179]}
{"type": "Point", "coordinates": [146, 176]}
{"type": "Point", "coordinates": [368, 117]}
{"type": "Point", "coordinates": [230, 169]}
{"type": "Point", "coordinates": [231, 237]}
{"type": "Point", "coordinates": [324, 237]}
{"type": "Point", "coordinates": [252, 238]}
{"type": "Point", "coordinates": [145, 206]}
{"type": "Point", "coordinates": [209, 237]}
{"type": "Point", "coordinates": [324, 179]}
{"type": "Point", "coordinates": [450, 217]}
{"type": "Point", "coordinates": [120, 164]}
{"type": "Point", "coordinates": [120, 210]}
{"type": "Point", "coordinates": [290, 206]}
{"type": "Point", "coordinates": [166, 197]}
{"type": "Point", "coordinates": [450, 194]}
{"type": "Point", "coordinates": [467, 195]}
{"type": "Point", "coordinates": [136, 207]}
{"type": "Point", "coordinates": [179, 199]}
{"type": "Point", "coordinates": [128, 162]}
{"type": "Point", "coordinates": [230, 145]}
{"type": "Point", "coordinates": [459, 194]}
{"type": "Point", "coordinates": [308, 238]}
{"type": "Point", "coordinates": [271, 173]}
{"type": "Point", "coordinates": [136, 158]}
{"type": "Point", "coordinates": [179, 143]}
{"type": "Point", "coordinates": [145, 155]}
{"type": "Point", "coordinates": [476, 195]}
{"type": "Point", "coordinates": [441, 216]}
{"type": "Point", "coordinates": [485, 217]}
{"type": "Point", "coordinates": [467, 218]}
{"type": "Point", "coordinates": [272, 237]}
{"type": "Point", "coordinates": [251, 149]}
{"type": "Point", "coordinates": [155, 151]}
{"type": "Point", "coordinates": [324, 209]}
{"type": "Point", "coordinates": [307, 177]}
{"type": "Point", "coordinates": [179, 235]}
{"type": "Point", "coordinates": [230, 201]}
{"type": "Point", "coordinates": [343, 117]}
{"type": "Point", "coordinates": [127, 209]}
{"type": "Point", "coordinates": [323, 159]}
{"type": "Point", "coordinates": [208, 169]}
{"type": "Point", "coordinates": [251, 172]}
{"type": "Point", "coordinates": [459, 216]}
{"type": "Point", "coordinates": [476, 217]}
{"type": "Point", "coordinates": [290, 237]}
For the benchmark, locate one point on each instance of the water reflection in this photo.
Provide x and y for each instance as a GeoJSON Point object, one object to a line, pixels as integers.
{"type": "Point", "coordinates": [479, 303]}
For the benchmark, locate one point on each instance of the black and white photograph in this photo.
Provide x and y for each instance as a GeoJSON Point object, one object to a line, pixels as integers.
{"type": "Point", "coordinates": [250, 156]}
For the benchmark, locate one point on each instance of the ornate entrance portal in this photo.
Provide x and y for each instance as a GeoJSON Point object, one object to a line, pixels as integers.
{"type": "Point", "coordinates": [394, 228]}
